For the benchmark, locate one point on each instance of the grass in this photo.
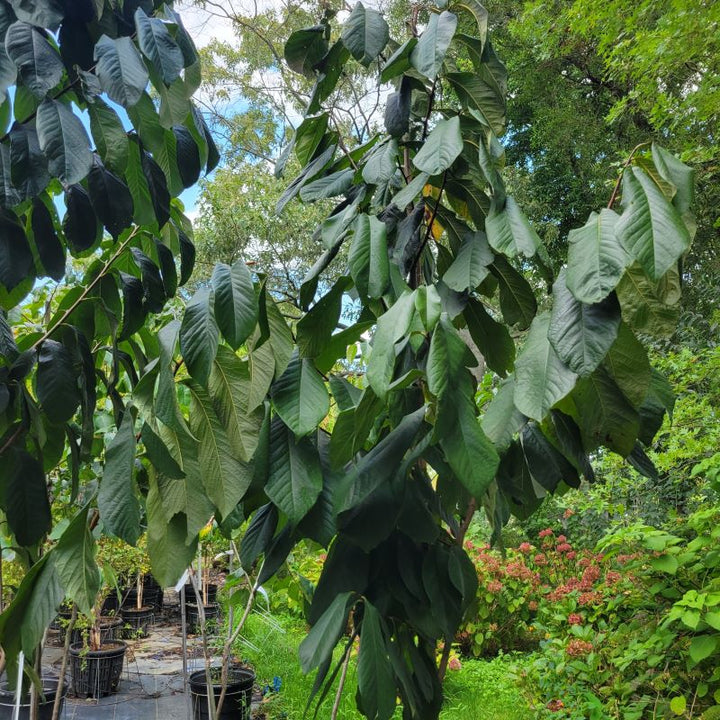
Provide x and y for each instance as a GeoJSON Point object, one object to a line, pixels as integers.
{"type": "Point", "coordinates": [480, 690]}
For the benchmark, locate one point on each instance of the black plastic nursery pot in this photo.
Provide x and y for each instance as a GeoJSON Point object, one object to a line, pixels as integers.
{"type": "Point", "coordinates": [136, 623]}
{"type": "Point", "coordinates": [236, 705]}
{"type": "Point", "coordinates": [96, 673]}
{"type": "Point", "coordinates": [45, 706]}
{"type": "Point", "coordinates": [192, 618]}
{"type": "Point", "coordinates": [152, 596]}
{"type": "Point", "coordinates": [211, 593]}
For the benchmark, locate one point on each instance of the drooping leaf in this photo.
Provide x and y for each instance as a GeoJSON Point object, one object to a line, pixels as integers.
{"type": "Point", "coordinates": [547, 465]}
{"type": "Point", "coordinates": [376, 682]}
{"type": "Point", "coordinates": [294, 474]}
{"type": "Point", "coordinates": [56, 382]}
{"type": "Point", "coordinates": [480, 94]}
{"type": "Point", "coordinates": [541, 378]}
{"type": "Point", "coordinates": [582, 334]}
{"type": "Point", "coordinates": [300, 396]}
{"type": "Point", "coordinates": [109, 134]}
{"type": "Point", "coordinates": [491, 337]}
{"type": "Point", "coordinates": [158, 188]}
{"type": "Point", "coordinates": [39, 64]}
{"type": "Point", "coordinates": [703, 646]}
{"type": "Point", "coordinates": [81, 226]}
{"type": "Point", "coordinates": [305, 48]}
{"type": "Point", "coordinates": [628, 364]}
{"type": "Point", "coordinates": [25, 496]}
{"type": "Point", "coordinates": [225, 477]}
{"type": "Point", "coordinates": [29, 170]}
{"type": "Point", "coordinates": [606, 416]}
{"type": "Point", "coordinates": [74, 558]}
{"type": "Point", "coordinates": [159, 454]}
{"type": "Point", "coordinates": [596, 259]}
{"type": "Point", "coordinates": [158, 46]}
{"type": "Point", "coordinates": [470, 266]}
{"type": "Point", "coordinates": [382, 163]}
{"type": "Point", "coordinates": [325, 633]}
{"type": "Point", "coordinates": [428, 55]}
{"type": "Point", "coordinates": [199, 336]}
{"type": "Point", "coordinates": [235, 307]}
{"type": "Point", "coordinates": [517, 300]}
{"type": "Point", "coordinates": [365, 34]}
{"type": "Point", "coordinates": [49, 247]}
{"type": "Point", "coordinates": [16, 260]}
{"type": "Point", "coordinates": [258, 535]}
{"type": "Point", "coordinates": [368, 256]}
{"type": "Point", "coordinates": [153, 287]}
{"type": "Point", "coordinates": [650, 228]}
{"type": "Point", "coordinates": [117, 500]}
{"type": "Point", "coordinates": [63, 139]}
{"type": "Point", "coordinates": [121, 70]}
{"type": "Point", "coordinates": [501, 419]}
{"type": "Point", "coordinates": [111, 199]}
{"type": "Point", "coordinates": [509, 231]}
{"type": "Point", "coordinates": [441, 147]}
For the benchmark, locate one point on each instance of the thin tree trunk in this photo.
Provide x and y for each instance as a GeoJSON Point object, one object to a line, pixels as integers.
{"type": "Point", "coordinates": [63, 667]}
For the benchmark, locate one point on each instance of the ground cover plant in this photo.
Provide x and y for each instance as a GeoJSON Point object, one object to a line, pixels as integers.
{"type": "Point", "coordinates": [223, 409]}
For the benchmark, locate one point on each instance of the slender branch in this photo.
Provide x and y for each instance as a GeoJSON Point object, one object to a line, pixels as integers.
{"type": "Point", "coordinates": [63, 667]}
{"type": "Point", "coordinates": [84, 294]}
{"type": "Point", "coordinates": [12, 438]}
{"type": "Point", "coordinates": [616, 189]}
{"type": "Point", "coordinates": [459, 540]}
{"type": "Point", "coordinates": [341, 686]}
{"type": "Point", "coordinates": [428, 230]}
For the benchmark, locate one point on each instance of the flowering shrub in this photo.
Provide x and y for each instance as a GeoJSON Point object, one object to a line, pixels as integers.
{"type": "Point", "coordinates": [533, 587]}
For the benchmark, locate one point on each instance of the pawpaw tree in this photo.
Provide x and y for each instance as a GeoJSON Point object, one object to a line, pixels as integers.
{"type": "Point", "coordinates": [235, 413]}
{"type": "Point", "coordinates": [98, 136]}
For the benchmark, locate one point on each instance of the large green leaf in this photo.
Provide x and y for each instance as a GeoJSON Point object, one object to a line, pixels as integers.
{"type": "Point", "coordinates": [649, 307]}
{"type": "Point", "coordinates": [229, 388]}
{"type": "Point", "coordinates": [368, 256]}
{"type": "Point", "coordinates": [517, 300]}
{"type": "Point", "coordinates": [606, 416]}
{"type": "Point", "coordinates": [26, 502]}
{"type": "Point", "coordinates": [546, 464]}
{"type": "Point", "coordinates": [74, 558]}
{"type": "Point", "coordinates": [50, 250]}
{"type": "Point", "coordinates": [319, 643]}
{"type": "Point", "coordinates": [16, 260]}
{"type": "Point", "coordinates": [441, 147]}
{"type": "Point", "coordinates": [628, 364]}
{"type": "Point", "coordinates": [294, 474]}
{"type": "Point", "coordinates": [158, 46]}
{"type": "Point", "coordinates": [56, 382]}
{"type": "Point", "coordinates": [392, 327]}
{"type": "Point", "coordinates": [470, 266]}
{"type": "Point", "coordinates": [376, 682]}
{"type": "Point", "coordinates": [448, 360]}
{"type": "Point", "coordinates": [596, 259]}
{"type": "Point", "coordinates": [428, 55]}
{"type": "Point", "coordinates": [541, 377]}
{"type": "Point", "coordinates": [199, 335]}
{"type": "Point", "coordinates": [39, 64]}
{"type": "Point", "coordinates": [468, 451]}
{"type": "Point", "coordinates": [509, 231]}
{"type": "Point", "coordinates": [236, 308]}
{"type": "Point", "coordinates": [382, 163]}
{"type": "Point", "coordinates": [300, 396]}
{"type": "Point", "coordinates": [580, 333]}
{"type": "Point", "coordinates": [158, 453]}
{"type": "Point", "coordinates": [80, 225]}
{"type": "Point", "coordinates": [365, 34]}
{"type": "Point", "coordinates": [121, 70]}
{"type": "Point", "coordinates": [315, 329]}
{"type": "Point", "coordinates": [225, 477]}
{"type": "Point", "coordinates": [28, 171]}
{"type": "Point", "coordinates": [501, 419]}
{"type": "Point", "coordinates": [117, 500]}
{"type": "Point", "coordinates": [111, 199]}
{"type": "Point", "coordinates": [43, 13]}
{"type": "Point", "coordinates": [305, 48]}
{"type": "Point", "coordinates": [479, 93]}
{"type": "Point", "coordinates": [703, 646]}
{"type": "Point", "coordinates": [650, 228]}
{"type": "Point", "coordinates": [63, 139]}
{"type": "Point", "coordinates": [109, 134]}
{"type": "Point", "coordinates": [491, 337]}
{"type": "Point", "coordinates": [679, 175]}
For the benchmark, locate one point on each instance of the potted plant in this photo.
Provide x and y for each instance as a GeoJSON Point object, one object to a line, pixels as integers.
{"type": "Point", "coordinates": [96, 659]}
{"type": "Point", "coordinates": [96, 663]}
{"type": "Point", "coordinates": [132, 564]}
{"type": "Point", "coordinates": [200, 591]}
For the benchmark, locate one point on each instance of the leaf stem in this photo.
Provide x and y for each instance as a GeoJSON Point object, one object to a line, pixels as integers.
{"type": "Point", "coordinates": [84, 294]}
{"type": "Point", "coordinates": [616, 189]}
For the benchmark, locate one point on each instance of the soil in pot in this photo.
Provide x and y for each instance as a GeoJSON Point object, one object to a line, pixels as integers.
{"type": "Point", "coordinates": [236, 705]}
{"type": "Point", "coordinates": [45, 707]}
{"type": "Point", "coordinates": [192, 618]}
{"type": "Point", "coordinates": [136, 623]}
{"type": "Point", "coordinates": [96, 673]}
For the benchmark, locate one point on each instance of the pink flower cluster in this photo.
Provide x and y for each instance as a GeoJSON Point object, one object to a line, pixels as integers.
{"type": "Point", "coordinates": [578, 648]}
